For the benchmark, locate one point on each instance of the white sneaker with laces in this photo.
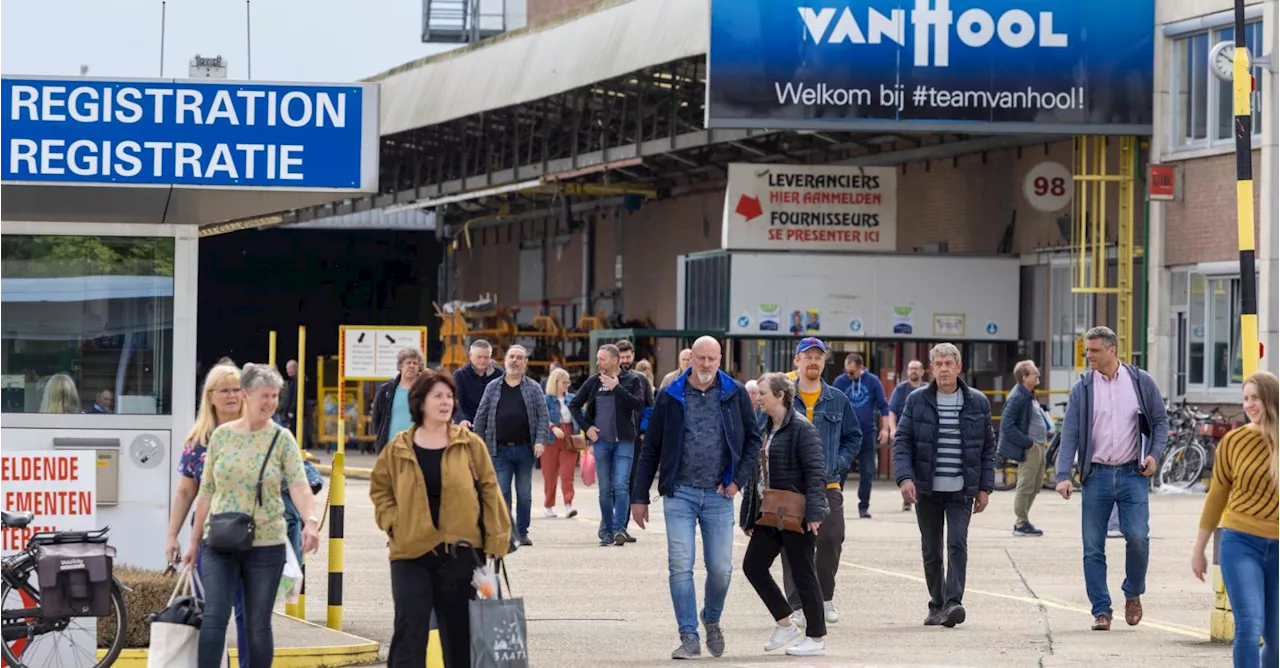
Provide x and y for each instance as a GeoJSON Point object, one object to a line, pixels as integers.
{"type": "Point", "coordinates": [569, 511]}
{"type": "Point", "coordinates": [549, 512]}
{"type": "Point", "coordinates": [783, 636]}
{"type": "Point", "coordinates": [832, 615]}
{"type": "Point", "coordinates": [798, 619]}
{"type": "Point", "coordinates": [808, 647]}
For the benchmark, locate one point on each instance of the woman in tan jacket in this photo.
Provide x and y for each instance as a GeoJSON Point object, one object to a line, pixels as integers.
{"type": "Point", "coordinates": [432, 487]}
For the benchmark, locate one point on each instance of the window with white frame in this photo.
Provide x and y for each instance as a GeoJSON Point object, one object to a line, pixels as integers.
{"type": "Point", "coordinates": [1201, 104]}
{"type": "Point", "coordinates": [1210, 341]}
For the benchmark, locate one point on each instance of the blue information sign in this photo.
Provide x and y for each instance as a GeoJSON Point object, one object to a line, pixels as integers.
{"type": "Point", "coordinates": [1055, 66]}
{"type": "Point", "coordinates": [189, 133]}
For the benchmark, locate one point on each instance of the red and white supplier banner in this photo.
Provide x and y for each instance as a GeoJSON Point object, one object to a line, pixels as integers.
{"type": "Point", "coordinates": [810, 208]}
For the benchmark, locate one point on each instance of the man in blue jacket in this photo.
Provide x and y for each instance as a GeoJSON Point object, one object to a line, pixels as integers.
{"type": "Point", "coordinates": [703, 444]}
{"type": "Point", "coordinates": [473, 378]}
{"type": "Point", "coordinates": [866, 393]}
{"type": "Point", "coordinates": [830, 411]}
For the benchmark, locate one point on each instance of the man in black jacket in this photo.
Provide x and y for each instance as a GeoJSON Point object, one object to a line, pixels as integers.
{"type": "Point", "coordinates": [944, 459]}
{"type": "Point", "coordinates": [473, 378]}
{"type": "Point", "coordinates": [703, 443]}
{"type": "Point", "coordinates": [613, 400]}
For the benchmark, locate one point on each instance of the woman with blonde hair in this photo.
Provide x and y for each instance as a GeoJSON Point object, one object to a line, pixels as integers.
{"type": "Point", "coordinates": [220, 402]}
{"type": "Point", "coordinates": [60, 395]}
{"type": "Point", "coordinates": [558, 459]}
{"type": "Point", "coordinates": [1243, 499]}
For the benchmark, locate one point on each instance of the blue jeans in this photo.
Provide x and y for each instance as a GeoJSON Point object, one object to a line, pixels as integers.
{"type": "Point", "coordinates": [868, 467]}
{"type": "Point", "coordinates": [293, 524]}
{"type": "Point", "coordinates": [515, 462]}
{"type": "Point", "coordinates": [1249, 564]}
{"type": "Point", "coordinates": [1123, 487]}
{"type": "Point", "coordinates": [242, 639]}
{"type": "Point", "coordinates": [684, 511]}
{"type": "Point", "coordinates": [259, 571]}
{"type": "Point", "coordinates": [613, 468]}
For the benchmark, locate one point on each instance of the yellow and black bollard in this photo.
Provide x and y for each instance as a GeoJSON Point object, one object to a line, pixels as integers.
{"type": "Point", "coordinates": [337, 503]}
{"type": "Point", "coordinates": [1221, 623]}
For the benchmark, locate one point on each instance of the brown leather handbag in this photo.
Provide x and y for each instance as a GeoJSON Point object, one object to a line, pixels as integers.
{"type": "Point", "coordinates": [576, 442]}
{"type": "Point", "coordinates": [780, 508]}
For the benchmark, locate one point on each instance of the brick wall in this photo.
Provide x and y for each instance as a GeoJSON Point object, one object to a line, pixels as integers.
{"type": "Point", "coordinates": [544, 10]}
{"type": "Point", "coordinates": [1201, 227]}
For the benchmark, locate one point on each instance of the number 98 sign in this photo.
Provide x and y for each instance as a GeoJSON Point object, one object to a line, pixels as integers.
{"type": "Point", "coordinates": [1048, 187]}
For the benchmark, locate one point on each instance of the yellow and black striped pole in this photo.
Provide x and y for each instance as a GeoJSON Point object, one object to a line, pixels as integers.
{"type": "Point", "coordinates": [337, 503]}
{"type": "Point", "coordinates": [1221, 623]}
{"type": "Point", "coordinates": [1242, 98]}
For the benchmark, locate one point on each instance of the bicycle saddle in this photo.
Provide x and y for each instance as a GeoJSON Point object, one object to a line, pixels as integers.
{"type": "Point", "coordinates": [17, 520]}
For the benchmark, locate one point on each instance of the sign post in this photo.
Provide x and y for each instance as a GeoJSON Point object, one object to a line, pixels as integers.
{"type": "Point", "coordinates": [60, 488]}
{"type": "Point", "coordinates": [364, 353]}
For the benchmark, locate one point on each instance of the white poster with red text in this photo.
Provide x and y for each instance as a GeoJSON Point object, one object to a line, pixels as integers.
{"type": "Point", "coordinates": [810, 208]}
{"type": "Point", "coordinates": [58, 487]}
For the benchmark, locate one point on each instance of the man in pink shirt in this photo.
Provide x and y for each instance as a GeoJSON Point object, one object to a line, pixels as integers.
{"type": "Point", "coordinates": [1109, 413]}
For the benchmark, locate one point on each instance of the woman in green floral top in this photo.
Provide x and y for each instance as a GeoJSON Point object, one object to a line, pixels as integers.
{"type": "Point", "coordinates": [235, 454]}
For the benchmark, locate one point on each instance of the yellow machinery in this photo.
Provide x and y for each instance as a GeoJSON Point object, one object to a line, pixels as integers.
{"type": "Point", "coordinates": [357, 421]}
{"type": "Point", "coordinates": [1100, 180]}
{"type": "Point", "coordinates": [495, 324]}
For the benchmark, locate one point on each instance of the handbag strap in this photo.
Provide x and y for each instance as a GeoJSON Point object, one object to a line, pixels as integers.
{"type": "Point", "coordinates": [262, 471]}
{"type": "Point", "coordinates": [500, 568]}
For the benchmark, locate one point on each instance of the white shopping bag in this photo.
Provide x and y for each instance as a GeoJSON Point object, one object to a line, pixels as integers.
{"type": "Point", "coordinates": [175, 644]}
{"type": "Point", "coordinates": [290, 578]}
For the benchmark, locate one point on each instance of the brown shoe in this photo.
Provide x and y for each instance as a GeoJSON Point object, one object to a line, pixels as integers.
{"type": "Point", "coordinates": [1133, 611]}
{"type": "Point", "coordinates": [1102, 623]}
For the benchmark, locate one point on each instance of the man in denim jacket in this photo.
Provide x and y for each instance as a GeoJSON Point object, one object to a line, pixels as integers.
{"type": "Point", "coordinates": [831, 412]}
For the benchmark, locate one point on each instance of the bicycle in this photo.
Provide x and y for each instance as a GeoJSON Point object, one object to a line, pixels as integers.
{"type": "Point", "coordinates": [1186, 460]}
{"type": "Point", "coordinates": [26, 628]}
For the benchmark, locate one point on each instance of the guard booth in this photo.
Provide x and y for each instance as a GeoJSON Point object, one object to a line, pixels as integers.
{"type": "Point", "coordinates": [107, 188]}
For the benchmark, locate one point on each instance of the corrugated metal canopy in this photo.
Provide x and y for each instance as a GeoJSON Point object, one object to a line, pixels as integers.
{"type": "Point", "coordinates": [536, 63]}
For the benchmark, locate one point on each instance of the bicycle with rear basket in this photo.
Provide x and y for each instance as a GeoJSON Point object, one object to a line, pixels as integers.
{"type": "Point", "coordinates": [51, 587]}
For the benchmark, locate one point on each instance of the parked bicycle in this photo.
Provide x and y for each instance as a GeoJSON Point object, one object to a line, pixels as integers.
{"type": "Point", "coordinates": [54, 591]}
{"type": "Point", "coordinates": [1189, 455]}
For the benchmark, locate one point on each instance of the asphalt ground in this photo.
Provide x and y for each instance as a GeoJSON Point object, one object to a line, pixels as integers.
{"type": "Point", "coordinates": [610, 606]}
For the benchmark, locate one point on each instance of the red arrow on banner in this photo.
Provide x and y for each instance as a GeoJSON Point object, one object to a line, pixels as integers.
{"type": "Point", "coordinates": [749, 207]}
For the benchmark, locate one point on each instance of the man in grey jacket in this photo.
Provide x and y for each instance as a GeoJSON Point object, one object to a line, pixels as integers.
{"type": "Point", "coordinates": [512, 418]}
{"type": "Point", "coordinates": [1115, 431]}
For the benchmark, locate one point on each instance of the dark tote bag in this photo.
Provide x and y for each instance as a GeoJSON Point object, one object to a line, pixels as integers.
{"type": "Point", "coordinates": [499, 634]}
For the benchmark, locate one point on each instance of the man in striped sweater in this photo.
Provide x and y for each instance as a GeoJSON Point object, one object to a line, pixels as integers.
{"type": "Point", "coordinates": [944, 458]}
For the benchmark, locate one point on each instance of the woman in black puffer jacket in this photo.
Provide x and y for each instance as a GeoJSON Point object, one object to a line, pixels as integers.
{"type": "Point", "coordinates": [795, 463]}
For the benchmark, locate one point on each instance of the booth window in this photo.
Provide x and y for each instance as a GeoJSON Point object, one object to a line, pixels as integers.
{"type": "Point", "coordinates": [87, 324]}
{"type": "Point", "coordinates": [1202, 103]}
{"type": "Point", "coordinates": [1209, 342]}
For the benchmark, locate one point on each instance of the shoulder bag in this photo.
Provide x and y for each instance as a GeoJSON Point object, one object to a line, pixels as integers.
{"type": "Point", "coordinates": [234, 532]}
{"type": "Point", "coordinates": [780, 509]}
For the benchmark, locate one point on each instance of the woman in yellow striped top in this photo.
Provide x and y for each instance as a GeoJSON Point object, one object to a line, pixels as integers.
{"type": "Point", "coordinates": [1244, 499]}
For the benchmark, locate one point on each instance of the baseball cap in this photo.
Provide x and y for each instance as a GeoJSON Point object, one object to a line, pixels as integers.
{"type": "Point", "coordinates": [810, 342]}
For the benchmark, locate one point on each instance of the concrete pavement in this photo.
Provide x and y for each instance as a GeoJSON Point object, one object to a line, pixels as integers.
{"type": "Point", "coordinates": [593, 606]}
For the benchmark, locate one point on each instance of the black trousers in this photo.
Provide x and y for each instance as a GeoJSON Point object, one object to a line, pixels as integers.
{"type": "Point", "coordinates": [766, 543]}
{"type": "Point", "coordinates": [935, 511]}
{"type": "Point", "coordinates": [438, 581]}
{"type": "Point", "coordinates": [830, 547]}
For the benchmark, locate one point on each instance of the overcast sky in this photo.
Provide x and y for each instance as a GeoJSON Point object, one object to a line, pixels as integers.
{"type": "Point", "coordinates": [292, 40]}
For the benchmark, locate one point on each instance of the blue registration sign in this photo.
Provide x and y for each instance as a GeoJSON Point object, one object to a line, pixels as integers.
{"type": "Point", "coordinates": [1059, 66]}
{"type": "Point", "coordinates": [189, 133]}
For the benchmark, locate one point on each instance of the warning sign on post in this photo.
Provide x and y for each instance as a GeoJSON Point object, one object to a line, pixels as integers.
{"type": "Point", "coordinates": [60, 488]}
{"type": "Point", "coordinates": [810, 207]}
{"type": "Point", "coordinates": [369, 353]}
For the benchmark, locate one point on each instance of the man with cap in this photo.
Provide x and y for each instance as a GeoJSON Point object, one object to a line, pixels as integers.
{"type": "Point", "coordinates": [830, 411]}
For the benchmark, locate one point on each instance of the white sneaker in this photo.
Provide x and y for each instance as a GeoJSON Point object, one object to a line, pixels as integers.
{"type": "Point", "coordinates": [783, 636]}
{"type": "Point", "coordinates": [832, 614]}
{"type": "Point", "coordinates": [570, 512]}
{"type": "Point", "coordinates": [549, 512]}
{"type": "Point", "coordinates": [798, 619]}
{"type": "Point", "coordinates": [808, 647]}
